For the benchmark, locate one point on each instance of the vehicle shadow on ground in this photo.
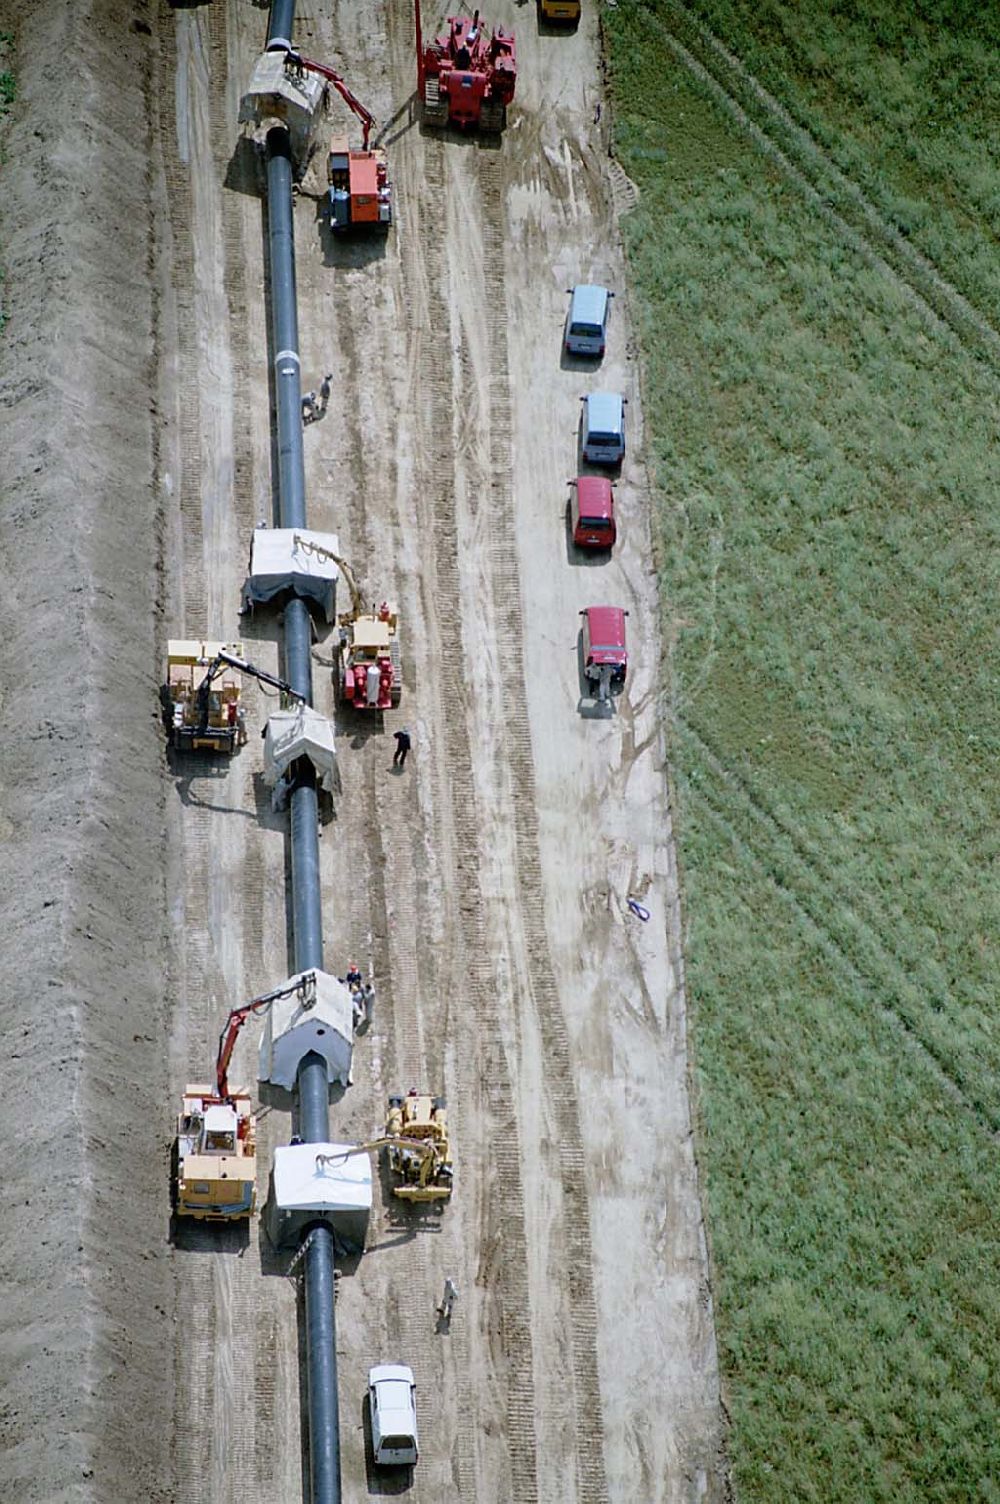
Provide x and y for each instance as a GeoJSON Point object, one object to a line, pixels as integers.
{"type": "Point", "coordinates": [383, 1482]}
{"type": "Point", "coordinates": [584, 365]}
{"type": "Point", "coordinates": [483, 140]}
{"type": "Point", "coordinates": [407, 113]}
{"type": "Point", "coordinates": [352, 248]}
{"type": "Point", "coordinates": [556, 28]}
{"type": "Point", "coordinates": [189, 1235]}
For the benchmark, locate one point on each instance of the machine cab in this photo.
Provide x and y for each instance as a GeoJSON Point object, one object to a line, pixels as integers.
{"type": "Point", "coordinates": [360, 192]}
{"type": "Point", "coordinates": [220, 1131]}
{"type": "Point", "coordinates": [605, 656]}
{"type": "Point", "coordinates": [592, 512]}
{"type": "Point", "coordinates": [603, 428]}
{"type": "Point", "coordinates": [587, 319]}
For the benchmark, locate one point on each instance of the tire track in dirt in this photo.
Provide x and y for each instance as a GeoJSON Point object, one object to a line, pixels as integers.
{"type": "Point", "coordinates": [216, 1438]}
{"type": "Point", "coordinates": [837, 199]}
{"type": "Point", "coordinates": [559, 1077]}
{"type": "Point", "coordinates": [483, 1076]}
{"type": "Point", "coordinates": [187, 489]}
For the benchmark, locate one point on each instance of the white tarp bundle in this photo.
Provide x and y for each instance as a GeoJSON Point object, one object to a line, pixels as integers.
{"type": "Point", "coordinates": [322, 1177]}
{"type": "Point", "coordinates": [318, 1016]}
{"type": "Point", "coordinates": [295, 560]}
{"type": "Point", "coordinates": [280, 92]}
{"type": "Point", "coordinates": [302, 732]}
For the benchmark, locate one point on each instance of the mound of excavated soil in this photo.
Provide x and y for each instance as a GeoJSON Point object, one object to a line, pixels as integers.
{"type": "Point", "coordinates": [85, 1391]}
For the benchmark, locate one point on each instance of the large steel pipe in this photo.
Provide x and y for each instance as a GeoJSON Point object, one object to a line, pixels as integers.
{"type": "Point", "coordinates": [285, 330]}
{"type": "Point", "coordinates": [279, 28]}
{"type": "Point", "coordinates": [312, 1086]}
{"type": "Point", "coordinates": [324, 1416]}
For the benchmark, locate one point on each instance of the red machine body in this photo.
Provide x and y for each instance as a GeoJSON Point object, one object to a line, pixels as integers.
{"type": "Point", "coordinates": [465, 77]}
{"type": "Point", "coordinates": [592, 510]}
{"type": "Point", "coordinates": [605, 656]}
{"type": "Point", "coordinates": [371, 675]}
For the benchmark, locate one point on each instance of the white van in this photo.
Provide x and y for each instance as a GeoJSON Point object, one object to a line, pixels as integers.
{"type": "Point", "coordinates": [603, 428]}
{"type": "Point", "coordinates": [392, 1398]}
{"type": "Point", "coordinates": [587, 320]}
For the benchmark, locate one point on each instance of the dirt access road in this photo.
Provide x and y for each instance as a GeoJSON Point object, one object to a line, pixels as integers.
{"type": "Point", "coordinates": [485, 887]}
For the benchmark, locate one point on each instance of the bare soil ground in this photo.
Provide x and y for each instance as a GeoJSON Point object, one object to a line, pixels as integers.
{"type": "Point", "coordinates": [485, 888]}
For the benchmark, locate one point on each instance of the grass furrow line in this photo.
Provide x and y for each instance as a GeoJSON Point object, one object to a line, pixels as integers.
{"type": "Point", "coordinates": [836, 198]}
{"type": "Point", "coordinates": [809, 908]}
{"type": "Point", "coordinates": [886, 922]}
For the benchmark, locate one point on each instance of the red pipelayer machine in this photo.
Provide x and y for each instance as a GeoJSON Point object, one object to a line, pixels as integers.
{"type": "Point", "coordinates": [464, 77]}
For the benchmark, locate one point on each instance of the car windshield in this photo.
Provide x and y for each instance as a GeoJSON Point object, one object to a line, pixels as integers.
{"type": "Point", "coordinates": [603, 439]}
{"type": "Point", "coordinates": [585, 331]}
{"type": "Point", "coordinates": [597, 522]}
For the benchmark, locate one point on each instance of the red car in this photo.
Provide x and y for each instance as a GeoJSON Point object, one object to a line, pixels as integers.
{"type": "Point", "coordinates": [605, 656]}
{"type": "Point", "coordinates": [592, 509]}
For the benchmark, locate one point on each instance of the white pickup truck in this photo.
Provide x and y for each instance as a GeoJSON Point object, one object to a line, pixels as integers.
{"type": "Point", "coordinates": [392, 1397]}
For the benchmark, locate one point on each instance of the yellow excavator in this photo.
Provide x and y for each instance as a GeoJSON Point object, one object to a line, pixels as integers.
{"type": "Point", "coordinates": [416, 1138]}
{"type": "Point", "coordinates": [202, 694]}
{"type": "Point", "coordinates": [428, 1176]}
{"type": "Point", "coordinates": [369, 675]}
{"type": "Point", "coordinates": [418, 1157]}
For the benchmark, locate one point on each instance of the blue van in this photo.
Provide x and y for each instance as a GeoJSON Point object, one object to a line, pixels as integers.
{"type": "Point", "coordinates": [603, 428]}
{"type": "Point", "coordinates": [587, 320]}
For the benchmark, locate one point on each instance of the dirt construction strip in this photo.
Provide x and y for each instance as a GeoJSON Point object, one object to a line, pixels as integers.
{"type": "Point", "coordinates": [485, 889]}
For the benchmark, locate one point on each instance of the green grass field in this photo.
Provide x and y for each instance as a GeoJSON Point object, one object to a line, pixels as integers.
{"type": "Point", "coordinates": [821, 375]}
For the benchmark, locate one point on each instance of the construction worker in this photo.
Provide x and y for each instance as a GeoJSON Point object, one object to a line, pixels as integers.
{"type": "Point", "coordinates": [403, 744]}
{"type": "Point", "coordinates": [324, 391]}
{"type": "Point", "coordinates": [369, 996]}
{"type": "Point", "coordinates": [448, 1300]}
{"type": "Point", "coordinates": [353, 977]}
{"type": "Point", "coordinates": [308, 407]}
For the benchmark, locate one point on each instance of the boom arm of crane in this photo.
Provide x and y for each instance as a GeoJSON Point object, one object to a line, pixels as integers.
{"type": "Point", "coordinates": [425, 1147]}
{"type": "Point", "coordinates": [367, 119]}
{"type": "Point", "coordinates": [229, 660]}
{"type": "Point", "coordinates": [238, 1017]}
{"type": "Point", "coordinates": [357, 599]}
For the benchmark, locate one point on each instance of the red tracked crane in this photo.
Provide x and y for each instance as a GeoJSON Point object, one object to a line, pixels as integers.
{"type": "Point", "coordinates": [464, 77]}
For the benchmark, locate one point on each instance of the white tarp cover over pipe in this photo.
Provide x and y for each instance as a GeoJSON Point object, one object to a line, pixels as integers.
{"type": "Point", "coordinates": [302, 732]}
{"type": "Point", "coordinates": [287, 560]}
{"type": "Point", "coordinates": [317, 1017]}
{"type": "Point", "coordinates": [322, 1177]}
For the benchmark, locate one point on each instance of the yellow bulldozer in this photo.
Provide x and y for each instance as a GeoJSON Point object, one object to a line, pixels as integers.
{"type": "Point", "coordinates": [423, 1174]}
{"type": "Point", "coordinates": [416, 1145]}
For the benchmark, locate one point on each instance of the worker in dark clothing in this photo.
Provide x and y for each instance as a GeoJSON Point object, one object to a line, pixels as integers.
{"type": "Point", "coordinates": [402, 747]}
{"type": "Point", "coordinates": [324, 392]}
